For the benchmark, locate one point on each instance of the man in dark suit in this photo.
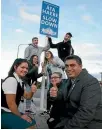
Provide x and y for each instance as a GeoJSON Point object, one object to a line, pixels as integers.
{"type": "Point", "coordinates": [64, 48]}
{"type": "Point", "coordinates": [82, 97]}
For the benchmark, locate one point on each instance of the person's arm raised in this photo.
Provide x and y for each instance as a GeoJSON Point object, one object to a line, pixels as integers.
{"type": "Point", "coordinates": [51, 44]}
{"type": "Point", "coordinates": [47, 47]}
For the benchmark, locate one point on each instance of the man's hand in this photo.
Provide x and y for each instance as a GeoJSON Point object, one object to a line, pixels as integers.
{"type": "Point", "coordinates": [49, 39]}
{"type": "Point", "coordinates": [33, 88]}
{"type": "Point", "coordinates": [53, 92]}
{"type": "Point", "coordinates": [27, 118]}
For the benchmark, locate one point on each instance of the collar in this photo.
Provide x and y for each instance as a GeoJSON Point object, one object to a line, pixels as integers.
{"type": "Point", "coordinates": [17, 78]}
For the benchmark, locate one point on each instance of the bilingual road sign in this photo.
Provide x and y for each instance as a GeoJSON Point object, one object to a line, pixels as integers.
{"type": "Point", "coordinates": [49, 19]}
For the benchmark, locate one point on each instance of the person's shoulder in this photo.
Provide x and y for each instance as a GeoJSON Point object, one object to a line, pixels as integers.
{"type": "Point", "coordinates": [30, 45]}
{"type": "Point", "coordinates": [56, 58]}
{"type": "Point", "coordinates": [27, 47]}
{"type": "Point", "coordinates": [90, 79]}
{"type": "Point", "coordinates": [10, 80]}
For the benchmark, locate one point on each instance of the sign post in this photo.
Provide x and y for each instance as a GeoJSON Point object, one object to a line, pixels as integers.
{"type": "Point", "coordinates": [48, 26]}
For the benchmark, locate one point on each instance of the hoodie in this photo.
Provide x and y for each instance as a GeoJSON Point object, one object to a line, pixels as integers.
{"type": "Point", "coordinates": [32, 50]}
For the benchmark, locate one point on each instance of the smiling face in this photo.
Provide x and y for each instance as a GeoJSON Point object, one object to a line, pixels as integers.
{"type": "Point", "coordinates": [55, 78]}
{"type": "Point", "coordinates": [35, 41]}
{"type": "Point", "coordinates": [72, 68]}
{"type": "Point", "coordinates": [35, 60]}
{"type": "Point", "coordinates": [67, 37]}
{"type": "Point", "coordinates": [48, 55]}
{"type": "Point", "coordinates": [22, 69]}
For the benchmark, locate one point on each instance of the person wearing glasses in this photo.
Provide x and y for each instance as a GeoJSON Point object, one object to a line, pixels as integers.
{"type": "Point", "coordinates": [55, 108]}
{"type": "Point", "coordinates": [82, 97]}
{"type": "Point", "coordinates": [64, 48]}
{"type": "Point", "coordinates": [53, 64]}
{"type": "Point", "coordinates": [34, 49]}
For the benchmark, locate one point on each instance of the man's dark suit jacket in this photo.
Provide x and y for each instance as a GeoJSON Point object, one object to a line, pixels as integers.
{"type": "Point", "coordinates": [83, 103]}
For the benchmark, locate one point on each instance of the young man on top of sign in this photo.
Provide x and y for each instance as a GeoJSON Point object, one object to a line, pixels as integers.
{"type": "Point", "coordinates": [34, 49]}
{"type": "Point", "coordinates": [64, 48]}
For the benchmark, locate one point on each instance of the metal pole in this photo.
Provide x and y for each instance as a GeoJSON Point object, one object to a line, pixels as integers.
{"type": "Point", "coordinates": [42, 94]}
{"type": "Point", "coordinates": [18, 50]}
{"type": "Point", "coordinates": [19, 47]}
{"type": "Point", "coordinates": [43, 89]}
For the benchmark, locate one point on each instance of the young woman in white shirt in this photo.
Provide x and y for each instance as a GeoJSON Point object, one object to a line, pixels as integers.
{"type": "Point", "coordinates": [11, 92]}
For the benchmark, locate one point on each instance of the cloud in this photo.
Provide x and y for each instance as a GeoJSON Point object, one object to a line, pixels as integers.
{"type": "Point", "coordinates": [88, 49]}
{"type": "Point", "coordinates": [19, 30]}
{"type": "Point", "coordinates": [91, 55]}
{"type": "Point", "coordinates": [36, 9]}
{"type": "Point", "coordinates": [87, 18]}
{"type": "Point", "coordinates": [29, 17]}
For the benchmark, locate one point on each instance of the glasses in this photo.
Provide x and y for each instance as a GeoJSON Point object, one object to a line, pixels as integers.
{"type": "Point", "coordinates": [55, 77]}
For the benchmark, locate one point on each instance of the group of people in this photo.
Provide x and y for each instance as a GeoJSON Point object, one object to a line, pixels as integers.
{"type": "Point", "coordinates": [77, 101]}
{"type": "Point", "coordinates": [72, 102]}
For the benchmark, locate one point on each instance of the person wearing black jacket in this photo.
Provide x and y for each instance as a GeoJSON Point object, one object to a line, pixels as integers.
{"type": "Point", "coordinates": [64, 48]}
{"type": "Point", "coordinates": [83, 97]}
